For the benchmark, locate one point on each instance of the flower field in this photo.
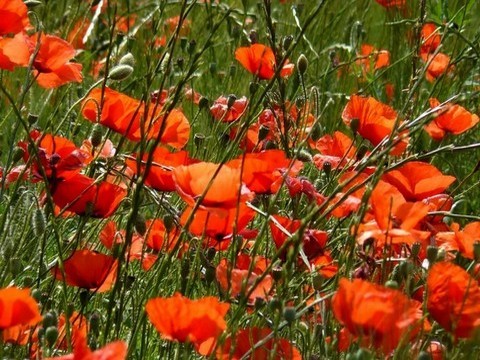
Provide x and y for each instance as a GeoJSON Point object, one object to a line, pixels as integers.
{"type": "Point", "coordinates": [239, 179]}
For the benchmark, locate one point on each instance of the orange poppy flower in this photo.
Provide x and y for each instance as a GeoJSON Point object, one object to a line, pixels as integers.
{"type": "Point", "coordinates": [261, 170]}
{"type": "Point", "coordinates": [438, 65]}
{"type": "Point", "coordinates": [14, 51]}
{"type": "Point", "coordinates": [431, 38]}
{"type": "Point", "coordinates": [83, 196]}
{"type": "Point", "coordinates": [78, 327]}
{"type": "Point", "coordinates": [376, 120]}
{"type": "Point", "coordinates": [259, 60]}
{"type": "Point", "coordinates": [460, 240]}
{"type": "Point", "coordinates": [337, 150]}
{"type": "Point", "coordinates": [218, 225]}
{"type": "Point", "coordinates": [116, 350]}
{"type": "Point", "coordinates": [160, 175]}
{"type": "Point", "coordinates": [124, 115]}
{"type": "Point", "coordinates": [236, 347]}
{"type": "Point", "coordinates": [225, 189]}
{"type": "Point", "coordinates": [392, 3]}
{"type": "Point", "coordinates": [159, 239]}
{"type": "Point", "coordinates": [88, 270]}
{"type": "Point", "coordinates": [14, 15]}
{"type": "Point", "coordinates": [418, 180]}
{"type": "Point", "coordinates": [17, 307]}
{"type": "Point", "coordinates": [178, 318]}
{"type": "Point", "coordinates": [221, 111]}
{"type": "Point", "coordinates": [381, 316]}
{"type": "Point", "coordinates": [52, 64]}
{"type": "Point", "coordinates": [453, 299]}
{"type": "Point", "coordinates": [370, 55]}
{"type": "Point", "coordinates": [452, 119]}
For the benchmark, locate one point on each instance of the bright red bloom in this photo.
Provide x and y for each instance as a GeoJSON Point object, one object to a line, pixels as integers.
{"type": "Point", "coordinates": [17, 307]}
{"type": "Point", "coordinates": [375, 120]}
{"type": "Point", "coordinates": [84, 196]}
{"type": "Point", "coordinates": [52, 64]}
{"type": "Point", "coordinates": [245, 340]}
{"type": "Point", "coordinates": [259, 60]}
{"type": "Point", "coordinates": [221, 111]}
{"type": "Point", "coordinates": [381, 316]}
{"type": "Point", "coordinates": [14, 51]}
{"type": "Point", "coordinates": [178, 318]}
{"type": "Point", "coordinates": [452, 119]}
{"type": "Point", "coordinates": [88, 270]}
{"type": "Point", "coordinates": [392, 3]}
{"type": "Point", "coordinates": [14, 17]}
{"type": "Point", "coordinates": [453, 299]}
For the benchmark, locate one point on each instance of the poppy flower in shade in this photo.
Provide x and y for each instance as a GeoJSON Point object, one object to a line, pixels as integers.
{"type": "Point", "coordinates": [453, 299]}
{"type": "Point", "coordinates": [221, 110]}
{"type": "Point", "coordinates": [381, 316]}
{"type": "Point", "coordinates": [84, 196]}
{"type": "Point", "coordinates": [431, 38]}
{"type": "Point", "coordinates": [124, 115]}
{"type": "Point", "coordinates": [14, 15]}
{"type": "Point", "coordinates": [452, 119]}
{"type": "Point", "coordinates": [418, 180]}
{"type": "Point", "coordinates": [376, 121]}
{"type": "Point", "coordinates": [218, 225]}
{"type": "Point", "coordinates": [52, 64]}
{"type": "Point", "coordinates": [14, 51]}
{"type": "Point", "coordinates": [17, 307]}
{"type": "Point", "coordinates": [438, 64]}
{"type": "Point", "coordinates": [337, 150]}
{"type": "Point", "coordinates": [160, 175]}
{"type": "Point", "coordinates": [59, 157]}
{"type": "Point", "coordinates": [225, 189]}
{"type": "Point", "coordinates": [261, 170]}
{"type": "Point", "coordinates": [371, 56]}
{"type": "Point", "coordinates": [392, 3]}
{"type": "Point", "coordinates": [259, 60]}
{"type": "Point", "coordinates": [239, 280]}
{"type": "Point", "coordinates": [88, 270]}
{"type": "Point", "coordinates": [236, 347]}
{"type": "Point", "coordinates": [458, 240]}
{"type": "Point", "coordinates": [116, 350]}
{"type": "Point", "coordinates": [178, 318]}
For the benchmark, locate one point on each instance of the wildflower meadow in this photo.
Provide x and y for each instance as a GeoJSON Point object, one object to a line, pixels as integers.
{"type": "Point", "coordinates": [239, 179]}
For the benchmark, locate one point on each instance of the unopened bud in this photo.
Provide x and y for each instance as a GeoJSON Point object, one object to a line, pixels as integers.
{"type": "Point", "coordinates": [327, 167]}
{"type": "Point", "coordinates": [263, 132]}
{"type": "Point", "coordinates": [50, 319]}
{"type": "Point", "coordinates": [302, 64]}
{"type": "Point", "coordinates": [316, 132]}
{"type": "Point", "coordinates": [127, 59]}
{"type": "Point", "coordinates": [416, 247]}
{"type": "Point", "coordinates": [252, 88]}
{"type": "Point", "coordinates": [231, 100]}
{"type": "Point", "coordinates": [32, 118]}
{"type": "Point", "coordinates": [51, 335]}
{"type": "Point", "coordinates": [140, 224]}
{"type": "Point", "coordinates": [289, 314]}
{"type": "Point", "coordinates": [203, 103]}
{"type": "Point", "coordinates": [95, 320]}
{"type": "Point", "coordinates": [304, 156]}
{"type": "Point", "coordinates": [18, 153]}
{"type": "Point", "coordinates": [96, 135]}
{"type": "Point", "coordinates": [32, 3]}
{"type": "Point", "coordinates": [432, 252]}
{"type": "Point", "coordinates": [198, 139]}
{"type": "Point", "coordinates": [287, 41]}
{"type": "Point", "coordinates": [392, 284]}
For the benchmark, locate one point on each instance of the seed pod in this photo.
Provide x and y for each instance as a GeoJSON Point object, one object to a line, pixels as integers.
{"type": "Point", "coordinates": [120, 72]}
{"type": "Point", "coordinates": [51, 335]}
{"type": "Point", "coordinates": [50, 319]}
{"type": "Point", "coordinates": [392, 284]}
{"type": "Point", "coordinates": [127, 59]}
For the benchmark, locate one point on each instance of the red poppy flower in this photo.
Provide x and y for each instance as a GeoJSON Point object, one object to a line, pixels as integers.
{"type": "Point", "coordinates": [371, 56]}
{"type": "Point", "coordinates": [159, 238]}
{"type": "Point", "coordinates": [453, 299]}
{"type": "Point", "coordinates": [221, 111]}
{"type": "Point", "coordinates": [431, 38]}
{"type": "Point", "coordinates": [452, 119]}
{"type": "Point", "coordinates": [259, 60]}
{"type": "Point", "coordinates": [88, 270]}
{"type": "Point", "coordinates": [83, 196]}
{"type": "Point", "coordinates": [17, 307]}
{"type": "Point", "coordinates": [116, 350]}
{"type": "Point", "coordinates": [418, 180]}
{"type": "Point", "coordinates": [225, 189]}
{"type": "Point", "coordinates": [160, 175]}
{"type": "Point", "coordinates": [261, 170]}
{"type": "Point", "coordinates": [52, 64]}
{"type": "Point", "coordinates": [128, 117]}
{"type": "Point", "coordinates": [460, 240]}
{"type": "Point", "coordinates": [178, 318]}
{"type": "Point", "coordinates": [236, 347]}
{"type": "Point", "coordinates": [14, 17]}
{"type": "Point", "coordinates": [438, 65]}
{"type": "Point", "coordinates": [337, 150]}
{"type": "Point", "coordinates": [376, 120]}
{"type": "Point", "coordinates": [392, 3]}
{"type": "Point", "coordinates": [381, 316]}
{"type": "Point", "coordinates": [14, 51]}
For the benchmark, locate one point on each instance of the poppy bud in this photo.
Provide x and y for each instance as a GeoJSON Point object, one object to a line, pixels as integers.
{"type": "Point", "coordinates": [392, 284]}
{"type": "Point", "coordinates": [192, 46]}
{"type": "Point", "coordinates": [51, 335]}
{"type": "Point", "coordinates": [32, 118]}
{"type": "Point", "coordinates": [270, 145]}
{"type": "Point", "coordinates": [169, 222]}
{"type": "Point", "coordinates": [18, 153]}
{"type": "Point", "coordinates": [140, 224]}
{"type": "Point", "coordinates": [211, 251]}
{"type": "Point", "coordinates": [327, 167]}
{"type": "Point", "coordinates": [96, 135]}
{"type": "Point", "coordinates": [70, 309]}
{"type": "Point", "coordinates": [405, 269]}
{"type": "Point", "coordinates": [277, 273]}
{"type": "Point", "coordinates": [317, 282]}
{"type": "Point", "coordinates": [210, 274]}
{"type": "Point", "coordinates": [304, 156]}
{"type": "Point", "coordinates": [120, 72]}
{"type": "Point", "coordinates": [415, 250]}
{"type": "Point", "coordinates": [259, 303]}
{"type": "Point", "coordinates": [180, 62]}
{"type": "Point", "coordinates": [275, 304]}
{"type": "Point", "coordinates": [432, 253]}
{"type": "Point", "coordinates": [361, 354]}
{"type": "Point", "coordinates": [127, 59]}
{"type": "Point", "coordinates": [15, 266]}
{"type": "Point", "coordinates": [84, 297]}
{"type": "Point", "coordinates": [95, 322]}
{"type": "Point", "coordinates": [203, 103]}
{"type": "Point", "coordinates": [316, 132]}
{"type": "Point", "coordinates": [252, 88]}
{"type": "Point", "coordinates": [37, 295]}
{"type": "Point", "coordinates": [231, 100]}
{"type": "Point", "coordinates": [302, 64]}
{"type": "Point", "coordinates": [212, 68]}
{"type": "Point", "coordinates": [354, 125]}
{"type": "Point", "coordinates": [362, 150]}
{"type": "Point", "coordinates": [232, 70]}
{"type": "Point", "coordinates": [28, 281]}
{"type": "Point", "coordinates": [32, 3]}
{"type": "Point", "coordinates": [287, 41]}
{"type": "Point", "coordinates": [50, 319]}
{"type": "Point", "coordinates": [289, 314]}
{"type": "Point", "coordinates": [253, 37]}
